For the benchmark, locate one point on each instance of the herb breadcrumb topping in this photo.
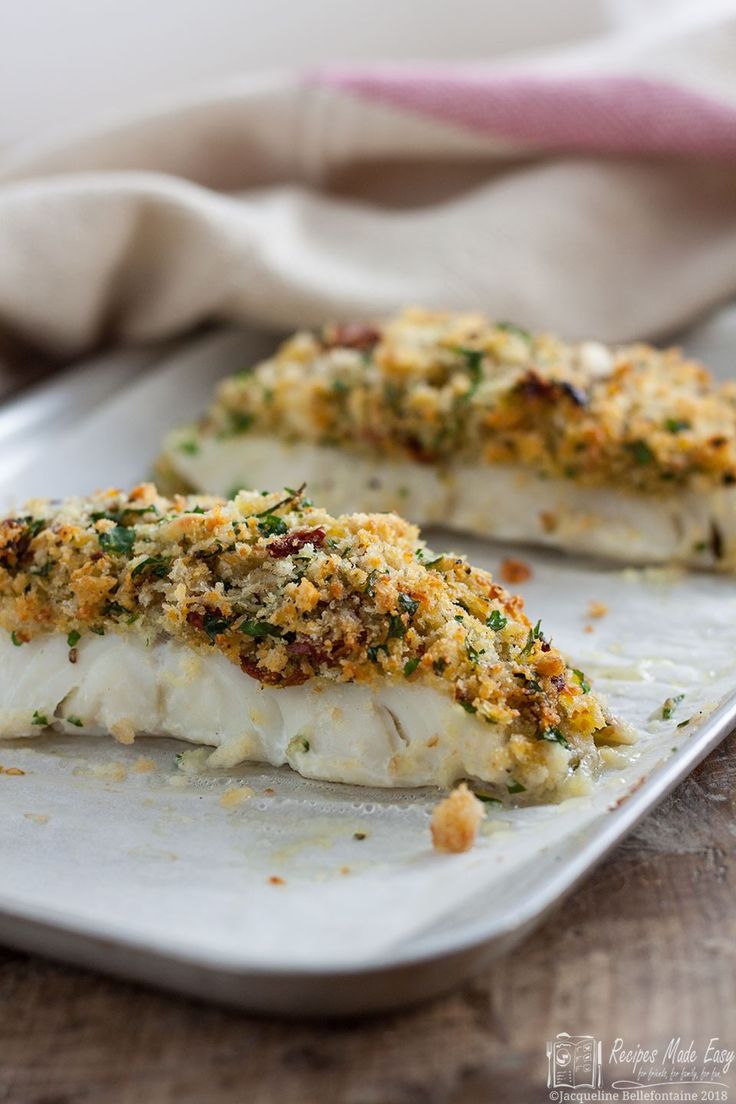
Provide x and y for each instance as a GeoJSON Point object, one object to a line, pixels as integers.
{"type": "Point", "coordinates": [289, 593]}
{"type": "Point", "coordinates": [434, 387]}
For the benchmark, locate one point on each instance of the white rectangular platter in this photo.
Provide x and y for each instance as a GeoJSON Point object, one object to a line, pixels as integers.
{"type": "Point", "coordinates": [250, 887]}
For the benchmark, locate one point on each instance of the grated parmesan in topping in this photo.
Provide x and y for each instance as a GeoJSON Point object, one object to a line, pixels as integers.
{"type": "Point", "coordinates": [437, 387]}
{"type": "Point", "coordinates": [289, 593]}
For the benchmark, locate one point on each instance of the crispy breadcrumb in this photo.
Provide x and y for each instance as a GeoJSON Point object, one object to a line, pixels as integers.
{"type": "Point", "coordinates": [515, 571]}
{"type": "Point", "coordinates": [143, 765]}
{"type": "Point", "coordinates": [288, 593]}
{"type": "Point", "coordinates": [456, 820]}
{"type": "Point", "coordinates": [597, 609]}
{"type": "Point", "coordinates": [439, 386]}
{"type": "Point", "coordinates": [235, 796]}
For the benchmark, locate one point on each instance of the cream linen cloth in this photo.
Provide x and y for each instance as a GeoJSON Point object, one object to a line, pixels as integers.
{"type": "Point", "coordinates": [590, 190]}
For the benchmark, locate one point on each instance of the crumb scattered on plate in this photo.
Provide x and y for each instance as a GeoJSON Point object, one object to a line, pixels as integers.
{"type": "Point", "coordinates": [110, 772]}
{"type": "Point", "coordinates": [144, 765]}
{"type": "Point", "coordinates": [235, 795]}
{"type": "Point", "coordinates": [456, 820]}
{"type": "Point", "coordinates": [515, 571]}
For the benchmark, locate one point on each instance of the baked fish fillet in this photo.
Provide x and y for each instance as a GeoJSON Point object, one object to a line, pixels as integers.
{"type": "Point", "coordinates": [275, 632]}
{"type": "Point", "coordinates": [628, 453]}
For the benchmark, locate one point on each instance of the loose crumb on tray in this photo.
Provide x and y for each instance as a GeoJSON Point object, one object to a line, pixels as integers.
{"type": "Point", "coordinates": [236, 795]}
{"type": "Point", "coordinates": [144, 765]}
{"type": "Point", "coordinates": [515, 571]}
{"type": "Point", "coordinates": [456, 820]}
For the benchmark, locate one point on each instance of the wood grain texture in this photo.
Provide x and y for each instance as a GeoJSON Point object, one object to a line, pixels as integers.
{"type": "Point", "coordinates": [646, 949]}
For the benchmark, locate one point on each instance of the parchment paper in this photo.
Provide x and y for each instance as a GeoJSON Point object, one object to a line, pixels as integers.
{"type": "Point", "coordinates": [121, 842]}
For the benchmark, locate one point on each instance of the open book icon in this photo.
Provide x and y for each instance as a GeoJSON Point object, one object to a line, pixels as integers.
{"type": "Point", "coordinates": [574, 1062]}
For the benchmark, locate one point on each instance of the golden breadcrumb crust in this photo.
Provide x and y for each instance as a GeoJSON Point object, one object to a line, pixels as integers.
{"type": "Point", "coordinates": [289, 593]}
{"type": "Point", "coordinates": [438, 387]}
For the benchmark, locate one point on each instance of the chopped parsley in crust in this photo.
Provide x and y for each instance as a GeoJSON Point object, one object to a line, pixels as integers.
{"type": "Point", "coordinates": [289, 593]}
{"type": "Point", "coordinates": [441, 387]}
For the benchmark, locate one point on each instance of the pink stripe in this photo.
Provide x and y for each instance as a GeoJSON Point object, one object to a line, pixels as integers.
{"type": "Point", "coordinates": [618, 114]}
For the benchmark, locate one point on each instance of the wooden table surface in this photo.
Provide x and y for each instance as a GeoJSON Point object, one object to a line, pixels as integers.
{"type": "Point", "coordinates": [645, 950]}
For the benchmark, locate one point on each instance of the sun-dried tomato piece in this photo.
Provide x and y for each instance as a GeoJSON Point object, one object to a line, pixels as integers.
{"type": "Point", "coordinates": [292, 542]}
{"type": "Point", "coordinates": [352, 335]}
{"type": "Point", "coordinates": [534, 386]}
{"type": "Point", "coordinates": [308, 649]}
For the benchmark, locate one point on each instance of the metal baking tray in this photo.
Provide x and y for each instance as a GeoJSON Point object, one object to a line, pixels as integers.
{"type": "Point", "coordinates": [137, 871]}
